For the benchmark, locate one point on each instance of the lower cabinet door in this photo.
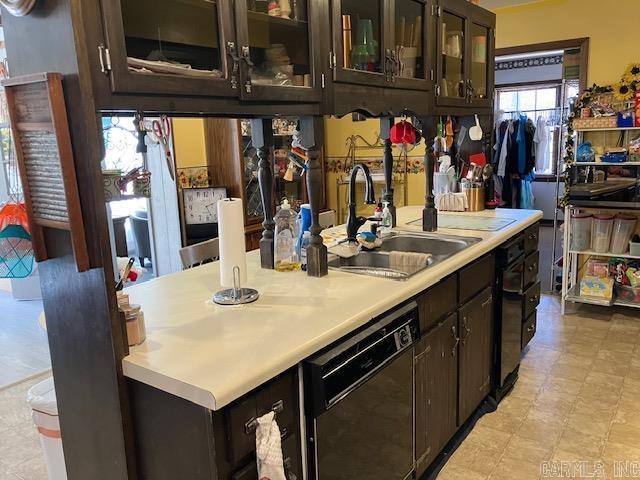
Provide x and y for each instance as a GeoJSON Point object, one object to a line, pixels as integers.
{"type": "Point", "coordinates": [436, 391]}
{"type": "Point", "coordinates": [476, 352]}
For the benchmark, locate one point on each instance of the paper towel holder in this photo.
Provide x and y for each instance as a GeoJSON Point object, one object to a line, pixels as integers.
{"type": "Point", "coordinates": [236, 295]}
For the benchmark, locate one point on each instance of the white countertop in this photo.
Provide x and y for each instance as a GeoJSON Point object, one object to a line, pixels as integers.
{"type": "Point", "coordinates": [213, 355]}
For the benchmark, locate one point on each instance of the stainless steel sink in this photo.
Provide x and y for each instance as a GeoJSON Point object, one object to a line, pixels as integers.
{"type": "Point", "coordinates": [376, 263]}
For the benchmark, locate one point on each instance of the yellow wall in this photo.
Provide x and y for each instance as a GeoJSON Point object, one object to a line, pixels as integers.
{"type": "Point", "coordinates": [611, 26]}
{"type": "Point", "coordinates": [188, 140]}
{"type": "Point", "coordinates": [336, 133]}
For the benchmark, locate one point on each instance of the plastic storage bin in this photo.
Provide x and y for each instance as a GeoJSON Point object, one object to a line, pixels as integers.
{"type": "Point", "coordinates": [628, 294]}
{"type": "Point", "coordinates": [44, 411]}
{"type": "Point", "coordinates": [634, 248]}
{"type": "Point", "coordinates": [581, 224]}
{"type": "Point", "coordinates": [601, 233]}
{"type": "Point", "coordinates": [623, 228]}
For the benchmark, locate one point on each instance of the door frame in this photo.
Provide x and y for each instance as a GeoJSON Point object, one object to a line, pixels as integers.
{"type": "Point", "coordinates": [575, 43]}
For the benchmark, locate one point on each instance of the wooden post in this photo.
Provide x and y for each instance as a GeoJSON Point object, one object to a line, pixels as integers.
{"type": "Point", "coordinates": [316, 251]}
{"type": "Point", "coordinates": [387, 195]}
{"type": "Point", "coordinates": [429, 213]}
{"type": "Point", "coordinates": [262, 140]}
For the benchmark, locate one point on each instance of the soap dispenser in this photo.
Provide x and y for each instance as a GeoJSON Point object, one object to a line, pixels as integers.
{"type": "Point", "coordinates": [386, 222]}
{"type": "Point", "coordinates": [286, 257]}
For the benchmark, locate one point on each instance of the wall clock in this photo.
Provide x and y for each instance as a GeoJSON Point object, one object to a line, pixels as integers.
{"type": "Point", "coordinates": [201, 204]}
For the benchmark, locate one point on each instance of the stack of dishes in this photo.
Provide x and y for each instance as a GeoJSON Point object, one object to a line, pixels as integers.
{"type": "Point", "coordinates": [18, 8]}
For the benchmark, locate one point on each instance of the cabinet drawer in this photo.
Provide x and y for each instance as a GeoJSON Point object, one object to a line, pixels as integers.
{"type": "Point", "coordinates": [531, 236]}
{"type": "Point", "coordinates": [529, 329]}
{"type": "Point", "coordinates": [475, 278]}
{"type": "Point", "coordinates": [531, 300]}
{"type": "Point", "coordinates": [437, 303]}
{"type": "Point", "coordinates": [280, 394]}
{"type": "Point", "coordinates": [531, 269]}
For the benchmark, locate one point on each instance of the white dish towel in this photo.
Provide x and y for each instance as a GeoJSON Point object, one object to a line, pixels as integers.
{"type": "Point", "coordinates": [269, 449]}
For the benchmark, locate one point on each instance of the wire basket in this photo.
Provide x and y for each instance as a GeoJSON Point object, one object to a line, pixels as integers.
{"type": "Point", "coordinates": [16, 252]}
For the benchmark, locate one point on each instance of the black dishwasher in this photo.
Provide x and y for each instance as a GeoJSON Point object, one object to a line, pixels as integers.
{"type": "Point", "coordinates": [359, 401]}
{"type": "Point", "coordinates": [509, 292]}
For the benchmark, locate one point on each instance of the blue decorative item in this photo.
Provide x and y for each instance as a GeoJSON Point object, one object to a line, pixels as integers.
{"type": "Point", "coordinates": [586, 153]}
{"type": "Point", "coordinates": [16, 252]}
{"type": "Point", "coordinates": [625, 120]}
{"type": "Point", "coordinates": [614, 158]}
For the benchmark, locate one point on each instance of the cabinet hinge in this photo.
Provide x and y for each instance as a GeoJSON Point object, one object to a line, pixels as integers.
{"type": "Point", "coordinates": [105, 59]}
{"type": "Point", "coordinates": [332, 60]}
{"type": "Point", "coordinates": [437, 90]}
{"type": "Point", "coordinates": [436, 10]}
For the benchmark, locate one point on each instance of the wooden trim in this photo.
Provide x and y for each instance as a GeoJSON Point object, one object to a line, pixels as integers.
{"type": "Point", "coordinates": [537, 83]}
{"type": "Point", "coordinates": [538, 47]}
{"type": "Point", "coordinates": [581, 43]}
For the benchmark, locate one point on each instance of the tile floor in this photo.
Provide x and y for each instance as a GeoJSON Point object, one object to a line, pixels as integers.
{"type": "Point", "coordinates": [24, 349]}
{"type": "Point", "coordinates": [20, 454]}
{"type": "Point", "coordinates": [577, 400]}
{"type": "Point", "coordinates": [576, 403]}
{"type": "Point", "coordinates": [546, 255]}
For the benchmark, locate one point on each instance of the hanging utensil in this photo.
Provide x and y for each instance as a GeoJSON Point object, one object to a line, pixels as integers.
{"type": "Point", "coordinates": [162, 130]}
{"type": "Point", "coordinates": [475, 133]}
{"type": "Point", "coordinates": [449, 133]}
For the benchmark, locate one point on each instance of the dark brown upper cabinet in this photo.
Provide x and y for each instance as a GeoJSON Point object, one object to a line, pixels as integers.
{"type": "Point", "coordinates": [464, 55]}
{"type": "Point", "coordinates": [213, 48]}
{"type": "Point", "coordinates": [381, 43]}
{"type": "Point", "coordinates": [195, 38]}
{"type": "Point", "coordinates": [278, 51]}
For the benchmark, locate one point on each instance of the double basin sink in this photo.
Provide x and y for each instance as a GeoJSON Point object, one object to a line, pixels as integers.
{"type": "Point", "coordinates": [380, 262]}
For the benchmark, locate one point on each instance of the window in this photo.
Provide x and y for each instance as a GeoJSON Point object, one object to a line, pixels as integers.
{"type": "Point", "coordinates": [541, 104]}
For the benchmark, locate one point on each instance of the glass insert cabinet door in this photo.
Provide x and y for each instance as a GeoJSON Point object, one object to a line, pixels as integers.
{"type": "Point", "coordinates": [452, 55]}
{"type": "Point", "coordinates": [409, 45]}
{"type": "Point", "coordinates": [275, 49]}
{"type": "Point", "coordinates": [479, 75]}
{"type": "Point", "coordinates": [359, 36]}
{"type": "Point", "coordinates": [157, 45]}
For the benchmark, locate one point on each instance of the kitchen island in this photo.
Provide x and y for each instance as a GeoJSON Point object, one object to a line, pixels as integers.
{"type": "Point", "coordinates": [200, 357]}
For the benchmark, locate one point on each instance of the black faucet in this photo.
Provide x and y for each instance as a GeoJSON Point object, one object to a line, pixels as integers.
{"type": "Point", "coordinates": [354, 222]}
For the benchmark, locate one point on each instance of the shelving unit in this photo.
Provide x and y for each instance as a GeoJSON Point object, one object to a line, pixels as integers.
{"type": "Point", "coordinates": [613, 205]}
{"type": "Point", "coordinates": [574, 260]}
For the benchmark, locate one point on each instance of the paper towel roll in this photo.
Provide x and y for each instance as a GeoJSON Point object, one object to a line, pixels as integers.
{"type": "Point", "coordinates": [232, 241]}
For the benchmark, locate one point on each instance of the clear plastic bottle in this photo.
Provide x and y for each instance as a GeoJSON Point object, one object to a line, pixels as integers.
{"type": "Point", "coordinates": [286, 258]}
{"type": "Point", "coordinates": [306, 238]}
{"type": "Point", "coordinates": [387, 219]}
